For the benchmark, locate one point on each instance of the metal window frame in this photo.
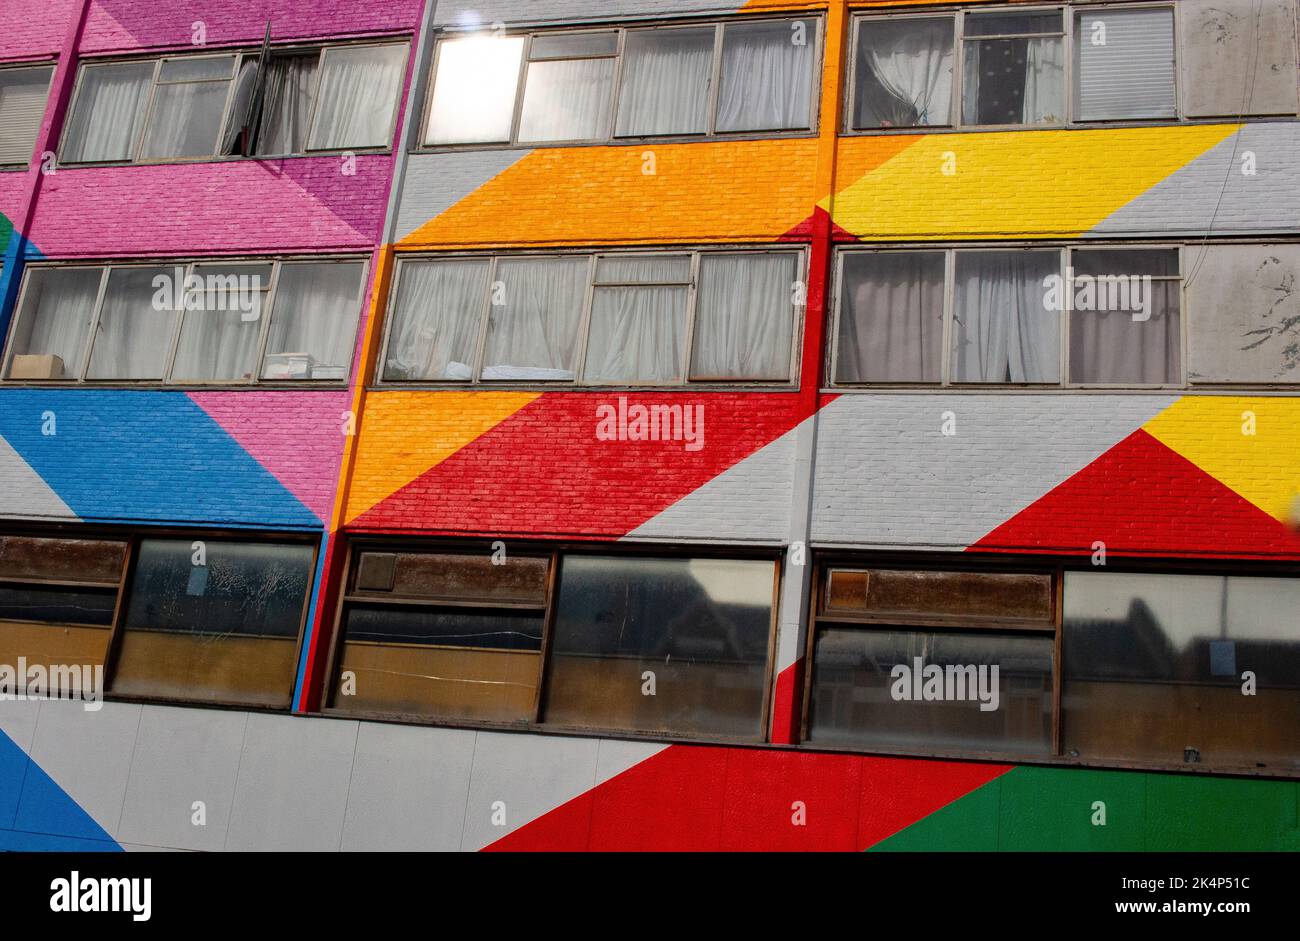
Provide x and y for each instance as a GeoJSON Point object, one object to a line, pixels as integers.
{"type": "Point", "coordinates": [817, 17]}
{"type": "Point", "coordinates": [579, 382]}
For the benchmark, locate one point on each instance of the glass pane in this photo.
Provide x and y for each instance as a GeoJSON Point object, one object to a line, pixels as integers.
{"type": "Point", "coordinates": [58, 306]}
{"type": "Point", "coordinates": [109, 112]}
{"type": "Point", "coordinates": [912, 691]}
{"type": "Point", "coordinates": [22, 108]}
{"type": "Point", "coordinates": [186, 120]}
{"type": "Point", "coordinates": [225, 630]}
{"type": "Point", "coordinates": [57, 605]}
{"type": "Point", "coordinates": [464, 577]}
{"type": "Point", "coordinates": [891, 317]}
{"type": "Point", "coordinates": [904, 73]}
{"type": "Point", "coordinates": [666, 76]}
{"type": "Point", "coordinates": [1014, 81]}
{"type": "Point", "coordinates": [1125, 62]}
{"type": "Point", "coordinates": [359, 88]}
{"type": "Point", "coordinates": [136, 325]}
{"type": "Point", "coordinates": [567, 99]}
{"type": "Point", "coordinates": [976, 596]}
{"type": "Point", "coordinates": [1124, 326]}
{"type": "Point", "coordinates": [481, 665]}
{"type": "Point", "coordinates": [637, 335]}
{"type": "Point", "coordinates": [533, 332]}
{"type": "Point", "coordinates": [314, 323]}
{"type": "Point", "coordinates": [643, 269]}
{"type": "Point", "coordinates": [1005, 327]}
{"type": "Point", "coordinates": [701, 626]}
{"type": "Point", "coordinates": [436, 320]}
{"type": "Point", "coordinates": [1154, 669]}
{"type": "Point", "coordinates": [473, 97]}
{"type": "Point", "coordinates": [222, 323]}
{"type": "Point", "coordinates": [77, 560]}
{"type": "Point", "coordinates": [1013, 24]}
{"type": "Point", "coordinates": [767, 76]}
{"type": "Point", "coordinates": [196, 69]}
{"type": "Point", "coordinates": [567, 45]}
{"type": "Point", "coordinates": [744, 317]}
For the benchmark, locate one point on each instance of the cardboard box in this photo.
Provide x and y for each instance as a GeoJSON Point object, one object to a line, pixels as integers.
{"type": "Point", "coordinates": [36, 366]}
{"type": "Point", "coordinates": [288, 366]}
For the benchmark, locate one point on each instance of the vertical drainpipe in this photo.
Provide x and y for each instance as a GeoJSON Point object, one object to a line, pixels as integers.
{"type": "Point", "coordinates": [47, 139]}
{"type": "Point", "coordinates": [792, 623]}
{"type": "Point", "coordinates": [309, 686]}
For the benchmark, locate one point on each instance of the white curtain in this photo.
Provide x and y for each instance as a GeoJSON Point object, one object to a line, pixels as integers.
{"type": "Point", "coordinates": [891, 318]}
{"type": "Point", "coordinates": [533, 334]}
{"type": "Point", "coordinates": [436, 320]}
{"type": "Point", "coordinates": [289, 89]}
{"type": "Point", "coordinates": [359, 88]}
{"type": "Point", "coordinates": [1111, 347]}
{"type": "Point", "coordinates": [1002, 328]}
{"type": "Point", "coordinates": [912, 62]}
{"type": "Point", "coordinates": [1044, 82]}
{"type": "Point", "coordinates": [133, 337]}
{"type": "Point", "coordinates": [58, 307]}
{"type": "Point", "coordinates": [316, 309]}
{"type": "Point", "coordinates": [189, 104]}
{"type": "Point", "coordinates": [666, 77]}
{"type": "Point", "coordinates": [22, 107]}
{"type": "Point", "coordinates": [744, 315]}
{"type": "Point", "coordinates": [218, 339]}
{"type": "Point", "coordinates": [245, 85]}
{"type": "Point", "coordinates": [638, 332]}
{"type": "Point", "coordinates": [109, 112]}
{"type": "Point", "coordinates": [567, 99]}
{"type": "Point", "coordinates": [766, 81]}
{"type": "Point", "coordinates": [1040, 82]}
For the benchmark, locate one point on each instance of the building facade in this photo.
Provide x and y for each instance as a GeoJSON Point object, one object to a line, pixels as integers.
{"type": "Point", "coordinates": [650, 425]}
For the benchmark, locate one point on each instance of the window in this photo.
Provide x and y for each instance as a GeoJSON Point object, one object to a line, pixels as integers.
{"type": "Point", "coordinates": [192, 322]}
{"type": "Point", "coordinates": [1003, 317]}
{"type": "Point", "coordinates": [214, 620]}
{"type": "Point", "coordinates": [57, 598]}
{"type": "Point", "coordinates": [933, 661]}
{"type": "Point", "coordinates": [657, 318]}
{"type": "Point", "coordinates": [201, 107]}
{"type": "Point", "coordinates": [1155, 669]}
{"type": "Point", "coordinates": [22, 108]}
{"type": "Point", "coordinates": [564, 639]}
{"type": "Point", "coordinates": [197, 619]}
{"type": "Point", "coordinates": [1005, 67]}
{"type": "Point", "coordinates": [740, 76]}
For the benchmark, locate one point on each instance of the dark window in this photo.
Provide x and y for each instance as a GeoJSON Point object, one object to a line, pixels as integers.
{"type": "Point", "coordinates": [214, 620]}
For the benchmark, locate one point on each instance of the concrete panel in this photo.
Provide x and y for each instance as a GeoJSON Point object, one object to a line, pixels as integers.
{"type": "Point", "coordinates": [88, 755]}
{"type": "Point", "coordinates": [886, 475]}
{"type": "Point", "coordinates": [748, 502]}
{"type": "Point", "coordinates": [529, 775]}
{"type": "Point", "coordinates": [182, 756]}
{"type": "Point", "coordinates": [1243, 313]}
{"type": "Point", "coordinates": [436, 182]}
{"type": "Point", "coordinates": [1238, 57]}
{"type": "Point", "coordinates": [1213, 194]}
{"type": "Point", "coordinates": [292, 790]}
{"type": "Point", "coordinates": [408, 788]}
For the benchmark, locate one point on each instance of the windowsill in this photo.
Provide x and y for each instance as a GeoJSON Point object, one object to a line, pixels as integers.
{"type": "Point", "coordinates": [619, 142]}
{"type": "Point", "coordinates": [1073, 126]}
{"type": "Point", "coordinates": [204, 161]}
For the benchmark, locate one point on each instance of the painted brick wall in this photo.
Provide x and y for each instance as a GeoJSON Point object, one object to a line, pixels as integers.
{"type": "Point", "coordinates": [121, 25]}
{"type": "Point", "coordinates": [34, 28]}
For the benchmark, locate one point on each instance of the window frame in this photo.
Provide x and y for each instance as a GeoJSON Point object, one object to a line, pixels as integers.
{"type": "Point", "coordinates": [133, 537]}
{"type": "Point", "coordinates": [1058, 566]}
{"type": "Point", "coordinates": [556, 551]}
{"type": "Point", "coordinates": [594, 254]}
{"type": "Point", "coordinates": [1070, 19]}
{"type": "Point", "coordinates": [1064, 384]}
{"type": "Point", "coordinates": [616, 90]}
{"type": "Point", "coordinates": [188, 264]}
{"type": "Point", "coordinates": [52, 66]}
{"type": "Point", "coordinates": [240, 55]}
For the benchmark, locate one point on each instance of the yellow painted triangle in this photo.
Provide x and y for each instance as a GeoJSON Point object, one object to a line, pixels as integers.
{"type": "Point", "coordinates": [1014, 183]}
{"type": "Point", "coordinates": [404, 433]}
{"type": "Point", "coordinates": [1213, 432]}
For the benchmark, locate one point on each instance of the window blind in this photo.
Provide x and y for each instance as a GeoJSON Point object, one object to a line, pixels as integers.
{"type": "Point", "coordinates": [1125, 62]}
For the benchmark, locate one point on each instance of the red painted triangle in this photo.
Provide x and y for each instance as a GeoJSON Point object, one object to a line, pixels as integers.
{"type": "Point", "coordinates": [1142, 498]}
{"type": "Point", "coordinates": [808, 228]}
